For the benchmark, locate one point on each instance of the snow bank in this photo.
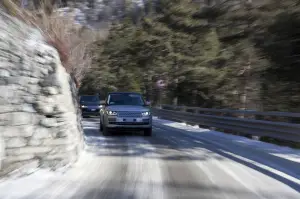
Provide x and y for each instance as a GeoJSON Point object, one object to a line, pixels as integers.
{"type": "Point", "coordinates": [280, 151]}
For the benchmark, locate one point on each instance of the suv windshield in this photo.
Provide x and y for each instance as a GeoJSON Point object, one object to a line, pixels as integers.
{"type": "Point", "coordinates": [125, 99]}
{"type": "Point", "coordinates": [89, 98]}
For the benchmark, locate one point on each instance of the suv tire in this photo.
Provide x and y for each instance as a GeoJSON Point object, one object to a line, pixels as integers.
{"type": "Point", "coordinates": [101, 126]}
{"type": "Point", "coordinates": [148, 132]}
{"type": "Point", "coordinates": [105, 131]}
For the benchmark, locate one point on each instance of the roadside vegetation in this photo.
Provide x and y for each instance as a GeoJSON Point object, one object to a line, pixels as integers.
{"type": "Point", "coordinates": [71, 39]}
{"type": "Point", "coordinates": [214, 55]}
{"type": "Point", "coordinates": [220, 55]}
{"type": "Point", "coordinates": [211, 55]}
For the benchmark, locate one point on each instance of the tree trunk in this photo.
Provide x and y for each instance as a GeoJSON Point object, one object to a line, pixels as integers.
{"type": "Point", "coordinates": [175, 101]}
{"type": "Point", "coordinates": [176, 80]}
{"type": "Point", "coordinates": [175, 98]}
{"type": "Point", "coordinates": [194, 98]}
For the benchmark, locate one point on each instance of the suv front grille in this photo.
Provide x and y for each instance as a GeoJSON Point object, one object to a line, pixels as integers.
{"type": "Point", "coordinates": [129, 114]}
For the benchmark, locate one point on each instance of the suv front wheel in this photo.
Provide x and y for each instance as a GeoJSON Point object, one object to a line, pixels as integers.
{"type": "Point", "coordinates": [148, 132]}
{"type": "Point", "coordinates": [105, 131]}
{"type": "Point", "coordinates": [101, 126]}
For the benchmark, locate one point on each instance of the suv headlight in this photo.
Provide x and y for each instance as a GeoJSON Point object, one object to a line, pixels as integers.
{"type": "Point", "coordinates": [147, 113]}
{"type": "Point", "coordinates": [111, 113]}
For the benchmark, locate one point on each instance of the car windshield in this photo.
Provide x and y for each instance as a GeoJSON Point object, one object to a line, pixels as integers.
{"type": "Point", "coordinates": [89, 98]}
{"type": "Point", "coordinates": [126, 99]}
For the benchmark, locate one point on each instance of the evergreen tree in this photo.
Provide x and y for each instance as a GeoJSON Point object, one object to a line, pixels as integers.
{"type": "Point", "coordinates": [211, 55]}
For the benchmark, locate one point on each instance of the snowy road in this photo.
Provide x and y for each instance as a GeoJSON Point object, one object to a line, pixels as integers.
{"type": "Point", "coordinates": [176, 162]}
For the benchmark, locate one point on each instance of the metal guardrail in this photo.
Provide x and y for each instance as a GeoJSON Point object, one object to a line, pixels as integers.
{"type": "Point", "coordinates": [271, 124]}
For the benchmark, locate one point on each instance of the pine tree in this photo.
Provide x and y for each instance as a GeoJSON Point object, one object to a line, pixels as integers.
{"type": "Point", "coordinates": [210, 55]}
{"type": "Point", "coordinates": [186, 41]}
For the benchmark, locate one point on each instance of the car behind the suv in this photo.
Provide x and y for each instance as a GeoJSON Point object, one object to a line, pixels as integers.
{"type": "Point", "coordinates": [125, 110]}
{"type": "Point", "coordinates": [90, 105]}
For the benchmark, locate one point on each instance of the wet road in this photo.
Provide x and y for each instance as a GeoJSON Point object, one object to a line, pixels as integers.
{"type": "Point", "coordinates": [171, 164]}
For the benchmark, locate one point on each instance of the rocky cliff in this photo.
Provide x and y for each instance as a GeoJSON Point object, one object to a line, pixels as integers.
{"type": "Point", "coordinates": [94, 13]}
{"type": "Point", "coordinates": [39, 124]}
{"type": "Point", "coordinates": [98, 13]}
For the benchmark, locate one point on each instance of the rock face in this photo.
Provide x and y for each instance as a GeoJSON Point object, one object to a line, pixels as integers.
{"type": "Point", "coordinates": [39, 120]}
{"type": "Point", "coordinates": [98, 14]}
{"type": "Point", "coordinates": [94, 13]}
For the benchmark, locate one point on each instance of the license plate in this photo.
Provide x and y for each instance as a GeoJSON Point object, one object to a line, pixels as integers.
{"type": "Point", "coordinates": [138, 120]}
{"type": "Point", "coordinates": [129, 120]}
{"type": "Point", "coordinates": [93, 109]}
{"type": "Point", "coordinates": [122, 120]}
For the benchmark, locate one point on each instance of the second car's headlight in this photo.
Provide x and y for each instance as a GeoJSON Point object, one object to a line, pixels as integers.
{"type": "Point", "coordinates": [147, 113]}
{"type": "Point", "coordinates": [111, 113]}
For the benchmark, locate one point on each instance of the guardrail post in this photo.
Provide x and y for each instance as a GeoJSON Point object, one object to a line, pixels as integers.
{"type": "Point", "coordinates": [183, 109]}
{"type": "Point", "coordinates": [294, 120]}
{"type": "Point", "coordinates": [259, 117]}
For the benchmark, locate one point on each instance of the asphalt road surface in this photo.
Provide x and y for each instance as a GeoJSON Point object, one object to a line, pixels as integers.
{"type": "Point", "coordinates": [171, 164]}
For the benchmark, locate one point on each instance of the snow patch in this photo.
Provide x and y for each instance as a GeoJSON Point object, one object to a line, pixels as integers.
{"type": "Point", "coordinates": [20, 187]}
{"type": "Point", "coordinates": [279, 151]}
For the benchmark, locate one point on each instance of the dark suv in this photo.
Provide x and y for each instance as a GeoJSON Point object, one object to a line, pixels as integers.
{"type": "Point", "coordinates": [90, 105]}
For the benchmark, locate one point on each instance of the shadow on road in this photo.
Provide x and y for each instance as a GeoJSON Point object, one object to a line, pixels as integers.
{"type": "Point", "coordinates": [190, 191]}
{"type": "Point", "coordinates": [171, 144]}
{"type": "Point", "coordinates": [247, 156]}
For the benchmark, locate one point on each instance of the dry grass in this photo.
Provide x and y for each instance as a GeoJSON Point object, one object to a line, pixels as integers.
{"type": "Point", "coordinates": [72, 41]}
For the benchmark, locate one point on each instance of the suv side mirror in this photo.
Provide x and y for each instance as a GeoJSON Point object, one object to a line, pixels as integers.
{"type": "Point", "coordinates": [102, 103]}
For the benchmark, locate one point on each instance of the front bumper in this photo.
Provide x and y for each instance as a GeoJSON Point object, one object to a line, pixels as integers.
{"type": "Point", "coordinates": [128, 123]}
{"type": "Point", "coordinates": [91, 112]}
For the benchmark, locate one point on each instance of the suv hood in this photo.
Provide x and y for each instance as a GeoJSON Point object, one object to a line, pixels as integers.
{"type": "Point", "coordinates": [127, 108]}
{"type": "Point", "coordinates": [90, 103]}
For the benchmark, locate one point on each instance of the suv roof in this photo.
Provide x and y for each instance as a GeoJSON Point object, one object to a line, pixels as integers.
{"type": "Point", "coordinates": [88, 97]}
{"type": "Point", "coordinates": [124, 93]}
